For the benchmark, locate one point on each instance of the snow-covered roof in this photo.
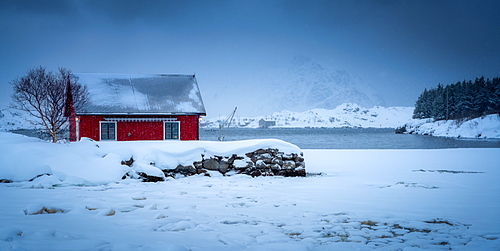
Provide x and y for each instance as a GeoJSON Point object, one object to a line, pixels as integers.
{"type": "Point", "coordinates": [153, 94]}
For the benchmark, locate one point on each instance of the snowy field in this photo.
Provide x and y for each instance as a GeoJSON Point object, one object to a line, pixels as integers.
{"type": "Point", "coordinates": [362, 200]}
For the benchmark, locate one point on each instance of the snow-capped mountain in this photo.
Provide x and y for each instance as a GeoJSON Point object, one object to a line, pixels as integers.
{"type": "Point", "coordinates": [344, 115]}
{"type": "Point", "coordinates": [307, 84]}
{"type": "Point", "coordinates": [302, 85]}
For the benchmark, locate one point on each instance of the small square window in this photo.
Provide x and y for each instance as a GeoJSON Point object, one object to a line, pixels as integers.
{"type": "Point", "coordinates": [108, 131]}
{"type": "Point", "coordinates": [171, 130]}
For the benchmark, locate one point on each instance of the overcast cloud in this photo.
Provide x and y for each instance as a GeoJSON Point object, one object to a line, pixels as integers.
{"type": "Point", "coordinates": [400, 47]}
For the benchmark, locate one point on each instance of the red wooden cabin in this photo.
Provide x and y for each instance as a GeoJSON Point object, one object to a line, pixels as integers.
{"type": "Point", "coordinates": [137, 107]}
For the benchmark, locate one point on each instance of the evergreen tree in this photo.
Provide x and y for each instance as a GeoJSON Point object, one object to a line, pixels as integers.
{"type": "Point", "coordinates": [495, 97]}
{"type": "Point", "coordinates": [480, 100]}
{"type": "Point", "coordinates": [451, 93]}
{"type": "Point", "coordinates": [439, 103]}
{"type": "Point", "coordinates": [466, 99]}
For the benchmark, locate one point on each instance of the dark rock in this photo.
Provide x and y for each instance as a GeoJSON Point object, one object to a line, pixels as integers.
{"type": "Point", "coordinates": [400, 130]}
{"type": "Point", "coordinates": [300, 173]}
{"type": "Point", "coordinates": [267, 158]}
{"type": "Point", "coordinates": [260, 151]}
{"type": "Point", "coordinates": [232, 158]}
{"type": "Point", "coordinates": [289, 164]}
{"type": "Point", "coordinates": [128, 162]}
{"type": "Point", "coordinates": [292, 173]}
{"type": "Point", "coordinates": [275, 167]}
{"type": "Point", "coordinates": [211, 164]}
{"type": "Point", "coordinates": [299, 159]}
{"type": "Point", "coordinates": [300, 165]}
{"type": "Point", "coordinates": [186, 170]}
{"type": "Point", "coordinates": [198, 164]}
{"type": "Point", "coordinates": [148, 178]}
{"type": "Point", "coordinates": [260, 164]}
{"type": "Point", "coordinates": [223, 167]}
{"type": "Point", "coordinates": [202, 171]}
{"type": "Point", "coordinates": [256, 173]}
{"type": "Point", "coordinates": [277, 160]}
{"type": "Point", "coordinates": [289, 156]}
{"type": "Point", "coordinates": [38, 176]}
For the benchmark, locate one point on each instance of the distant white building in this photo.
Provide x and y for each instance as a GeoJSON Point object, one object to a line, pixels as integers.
{"type": "Point", "coordinates": [266, 123]}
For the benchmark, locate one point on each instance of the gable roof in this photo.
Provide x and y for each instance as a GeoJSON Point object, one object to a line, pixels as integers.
{"type": "Point", "coordinates": [127, 94]}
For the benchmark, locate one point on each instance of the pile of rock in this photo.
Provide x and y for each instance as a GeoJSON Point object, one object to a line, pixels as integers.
{"type": "Point", "coordinates": [269, 162]}
{"type": "Point", "coordinates": [262, 162]}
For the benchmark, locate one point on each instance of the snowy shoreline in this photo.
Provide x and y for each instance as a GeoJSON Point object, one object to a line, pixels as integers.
{"type": "Point", "coordinates": [487, 127]}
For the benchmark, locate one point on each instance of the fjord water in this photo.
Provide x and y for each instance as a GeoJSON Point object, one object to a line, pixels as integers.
{"type": "Point", "coordinates": [348, 138]}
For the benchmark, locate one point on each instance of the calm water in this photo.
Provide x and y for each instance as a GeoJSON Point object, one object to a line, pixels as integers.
{"type": "Point", "coordinates": [349, 138]}
{"type": "Point", "coordinates": [342, 138]}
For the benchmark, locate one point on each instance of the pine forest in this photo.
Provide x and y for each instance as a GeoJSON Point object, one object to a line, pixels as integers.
{"type": "Point", "coordinates": [466, 99]}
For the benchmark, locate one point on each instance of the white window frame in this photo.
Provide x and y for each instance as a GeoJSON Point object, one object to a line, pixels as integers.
{"type": "Point", "coordinates": [178, 129]}
{"type": "Point", "coordinates": [108, 122]}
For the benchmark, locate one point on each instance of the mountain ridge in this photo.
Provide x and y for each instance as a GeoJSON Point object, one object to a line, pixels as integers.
{"type": "Point", "coordinates": [345, 115]}
{"type": "Point", "coordinates": [307, 84]}
{"type": "Point", "coordinates": [302, 85]}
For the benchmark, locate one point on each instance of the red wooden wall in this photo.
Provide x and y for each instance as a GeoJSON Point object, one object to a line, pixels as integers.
{"type": "Point", "coordinates": [88, 126]}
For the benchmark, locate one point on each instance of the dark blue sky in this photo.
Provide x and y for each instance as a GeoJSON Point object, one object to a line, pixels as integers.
{"type": "Point", "coordinates": [400, 47]}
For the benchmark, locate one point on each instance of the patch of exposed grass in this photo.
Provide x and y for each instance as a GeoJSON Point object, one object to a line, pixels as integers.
{"type": "Point", "coordinates": [411, 229]}
{"type": "Point", "coordinates": [369, 223]}
{"type": "Point", "coordinates": [440, 221]}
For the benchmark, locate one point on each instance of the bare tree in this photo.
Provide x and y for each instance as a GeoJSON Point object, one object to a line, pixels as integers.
{"type": "Point", "coordinates": [42, 94]}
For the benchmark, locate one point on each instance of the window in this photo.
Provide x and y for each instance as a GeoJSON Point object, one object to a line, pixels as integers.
{"type": "Point", "coordinates": [171, 130]}
{"type": "Point", "coordinates": [108, 131]}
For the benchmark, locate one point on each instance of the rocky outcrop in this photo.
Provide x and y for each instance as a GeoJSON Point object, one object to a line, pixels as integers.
{"type": "Point", "coordinates": [400, 130]}
{"type": "Point", "coordinates": [270, 162]}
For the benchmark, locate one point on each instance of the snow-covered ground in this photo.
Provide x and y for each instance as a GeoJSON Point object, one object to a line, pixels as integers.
{"type": "Point", "coordinates": [363, 200]}
{"type": "Point", "coordinates": [486, 127]}
{"type": "Point", "coordinates": [344, 115]}
{"type": "Point", "coordinates": [88, 162]}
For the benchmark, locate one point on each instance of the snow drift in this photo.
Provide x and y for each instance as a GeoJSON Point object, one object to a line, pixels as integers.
{"type": "Point", "coordinates": [89, 162]}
